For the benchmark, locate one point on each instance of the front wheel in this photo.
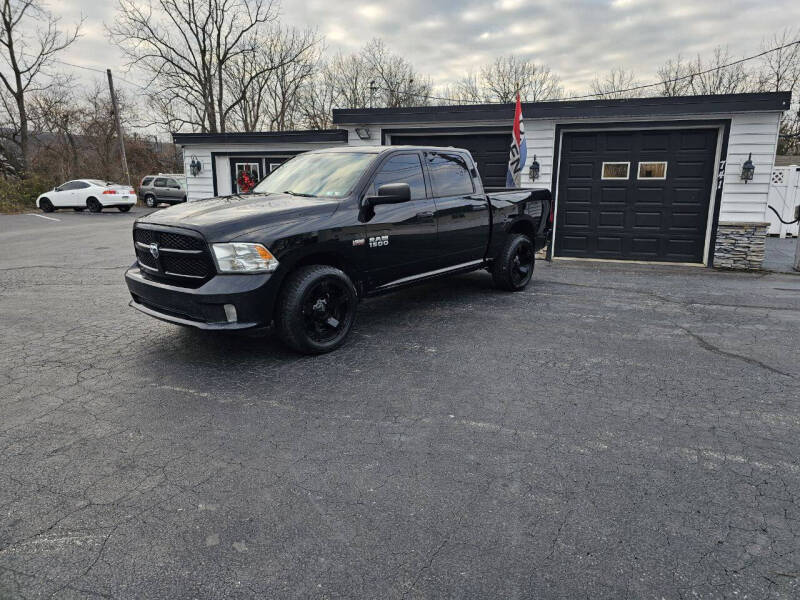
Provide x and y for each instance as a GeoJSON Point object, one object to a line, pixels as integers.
{"type": "Point", "coordinates": [513, 268]}
{"type": "Point", "coordinates": [316, 309]}
{"type": "Point", "coordinates": [93, 204]}
{"type": "Point", "coordinates": [123, 208]}
{"type": "Point", "coordinates": [46, 205]}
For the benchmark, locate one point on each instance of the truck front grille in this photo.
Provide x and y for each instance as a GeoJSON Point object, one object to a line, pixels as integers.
{"type": "Point", "coordinates": [179, 258]}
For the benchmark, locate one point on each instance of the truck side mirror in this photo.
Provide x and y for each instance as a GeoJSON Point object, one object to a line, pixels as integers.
{"type": "Point", "coordinates": [390, 193]}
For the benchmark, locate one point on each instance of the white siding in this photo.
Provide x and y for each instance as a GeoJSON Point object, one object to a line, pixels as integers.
{"type": "Point", "coordinates": [757, 133]}
{"type": "Point", "coordinates": [201, 186]}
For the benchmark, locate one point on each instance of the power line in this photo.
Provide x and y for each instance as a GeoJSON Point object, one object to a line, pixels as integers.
{"type": "Point", "coordinates": [623, 91]}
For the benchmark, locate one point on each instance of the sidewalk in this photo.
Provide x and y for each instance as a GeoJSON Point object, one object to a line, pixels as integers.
{"type": "Point", "coordinates": [779, 254]}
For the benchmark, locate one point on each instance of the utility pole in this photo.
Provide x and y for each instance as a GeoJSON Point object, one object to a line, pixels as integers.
{"type": "Point", "coordinates": [119, 127]}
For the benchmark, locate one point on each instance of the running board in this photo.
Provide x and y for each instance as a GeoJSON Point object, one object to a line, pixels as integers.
{"type": "Point", "coordinates": [467, 266]}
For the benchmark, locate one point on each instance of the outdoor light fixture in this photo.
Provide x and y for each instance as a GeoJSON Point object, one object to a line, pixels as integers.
{"type": "Point", "coordinates": [748, 168]}
{"type": "Point", "coordinates": [363, 133]}
{"type": "Point", "coordinates": [195, 166]}
{"type": "Point", "coordinates": [535, 168]}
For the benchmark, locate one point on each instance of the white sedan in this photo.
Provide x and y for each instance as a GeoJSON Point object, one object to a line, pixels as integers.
{"type": "Point", "coordinates": [93, 194]}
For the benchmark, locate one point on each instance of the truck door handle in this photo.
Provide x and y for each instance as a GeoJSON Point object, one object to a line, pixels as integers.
{"type": "Point", "coordinates": [426, 214]}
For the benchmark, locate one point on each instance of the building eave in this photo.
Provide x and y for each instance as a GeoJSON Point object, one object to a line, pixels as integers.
{"type": "Point", "coordinates": [574, 109]}
{"type": "Point", "coordinates": [262, 137]}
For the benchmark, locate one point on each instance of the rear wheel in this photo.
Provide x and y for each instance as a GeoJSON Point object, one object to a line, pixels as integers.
{"type": "Point", "coordinates": [316, 309]}
{"type": "Point", "coordinates": [93, 204]}
{"type": "Point", "coordinates": [123, 208]}
{"type": "Point", "coordinates": [150, 201]}
{"type": "Point", "coordinates": [46, 205]}
{"type": "Point", "coordinates": [513, 269]}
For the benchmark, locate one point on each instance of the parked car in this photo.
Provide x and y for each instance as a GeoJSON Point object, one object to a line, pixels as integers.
{"type": "Point", "coordinates": [166, 189]}
{"type": "Point", "coordinates": [93, 194]}
{"type": "Point", "coordinates": [326, 229]}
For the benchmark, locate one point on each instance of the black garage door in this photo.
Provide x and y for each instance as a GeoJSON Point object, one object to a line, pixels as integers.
{"type": "Point", "coordinates": [637, 195]}
{"type": "Point", "coordinates": [490, 151]}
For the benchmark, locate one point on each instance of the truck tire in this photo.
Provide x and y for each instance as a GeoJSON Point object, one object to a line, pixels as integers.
{"type": "Point", "coordinates": [513, 268]}
{"type": "Point", "coordinates": [316, 309]}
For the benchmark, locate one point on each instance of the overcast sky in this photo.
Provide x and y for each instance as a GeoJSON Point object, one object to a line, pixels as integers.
{"type": "Point", "coordinates": [445, 38]}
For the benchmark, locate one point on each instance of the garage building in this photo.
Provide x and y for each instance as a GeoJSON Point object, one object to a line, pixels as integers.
{"type": "Point", "coordinates": [645, 179]}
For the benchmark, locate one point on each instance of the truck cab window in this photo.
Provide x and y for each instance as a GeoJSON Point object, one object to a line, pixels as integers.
{"type": "Point", "coordinates": [450, 175]}
{"type": "Point", "coordinates": [401, 168]}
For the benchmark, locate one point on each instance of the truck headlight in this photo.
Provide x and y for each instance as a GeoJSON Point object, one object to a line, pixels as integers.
{"type": "Point", "coordinates": [237, 257]}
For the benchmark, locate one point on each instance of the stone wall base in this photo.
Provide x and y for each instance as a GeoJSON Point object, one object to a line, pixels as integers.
{"type": "Point", "coordinates": [740, 245]}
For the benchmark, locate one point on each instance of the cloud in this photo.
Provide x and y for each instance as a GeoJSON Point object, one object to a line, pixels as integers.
{"type": "Point", "coordinates": [447, 38]}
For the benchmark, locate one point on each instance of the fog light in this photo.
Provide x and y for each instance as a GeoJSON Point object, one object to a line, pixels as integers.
{"type": "Point", "coordinates": [230, 313]}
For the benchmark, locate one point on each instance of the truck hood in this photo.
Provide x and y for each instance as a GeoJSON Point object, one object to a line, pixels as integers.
{"type": "Point", "coordinates": [226, 217]}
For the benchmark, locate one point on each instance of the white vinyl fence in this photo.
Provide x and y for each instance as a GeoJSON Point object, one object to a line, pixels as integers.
{"type": "Point", "coordinates": [784, 195]}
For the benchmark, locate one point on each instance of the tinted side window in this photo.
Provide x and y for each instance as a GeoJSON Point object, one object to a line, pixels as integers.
{"type": "Point", "coordinates": [147, 181]}
{"type": "Point", "coordinates": [160, 182]}
{"type": "Point", "coordinates": [449, 174]}
{"type": "Point", "coordinates": [172, 183]}
{"type": "Point", "coordinates": [79, 185]}
{"type": "Point", "coordinates": [403, 168]}
{"type": "Point", "coordinates": [65, 187]}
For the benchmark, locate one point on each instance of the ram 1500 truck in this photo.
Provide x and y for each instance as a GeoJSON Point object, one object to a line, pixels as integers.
{"type": "Point", "coordinates": [324, 230]}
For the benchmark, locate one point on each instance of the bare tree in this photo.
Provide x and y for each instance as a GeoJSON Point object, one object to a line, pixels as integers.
{"type": "Point", "coordinates": [674, 78]}
{"type": "Point", "coordinates": [779, 71]}
{"type": "Point", "coordinates": [270, 98]}
{"type": "Point", "coordinates": [185, 48]}
{"type": "Point", "coordinates": [398, 84]}
{"type": "Point", "coordinates": [30, 39]}
{"type": "Point", "coordinates": [714, 76]}
{"type": "Point", "coordinates": [319, 98]}
{"type": "Point", "coordinates": [508, 75]}
{"type": "Point", "coordinates": [615, 84]}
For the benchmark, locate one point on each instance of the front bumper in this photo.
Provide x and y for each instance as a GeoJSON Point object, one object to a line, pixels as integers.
{"type": "Point", "coordinates": [203, 307]}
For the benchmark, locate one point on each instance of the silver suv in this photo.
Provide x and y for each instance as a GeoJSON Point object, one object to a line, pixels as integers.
{"type": "Point", "coordinates": [162, 188]}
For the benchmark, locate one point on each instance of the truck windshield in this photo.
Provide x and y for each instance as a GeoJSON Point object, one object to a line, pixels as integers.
{"type": "Point", "coordinates": [327, 175]}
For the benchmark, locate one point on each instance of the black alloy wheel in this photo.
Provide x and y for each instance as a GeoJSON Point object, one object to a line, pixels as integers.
{"type": "Point", "coordinates": [513, 268]}
{"type": "Point", "coordinates": [316, 309]}
{"type": "Point", "coordinates": [325, 308]}
{"type": "Point", "coordinates": [46, 205]}
{"type": "Point", "coordinates": [93, 204]}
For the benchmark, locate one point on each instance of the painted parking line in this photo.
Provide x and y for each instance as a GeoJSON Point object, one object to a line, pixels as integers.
{"type": "Point", "coordinates": [42, 217]}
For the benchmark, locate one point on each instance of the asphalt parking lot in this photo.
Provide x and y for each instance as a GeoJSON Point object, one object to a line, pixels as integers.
{"type": "Point", "coordinates": [615, 431]}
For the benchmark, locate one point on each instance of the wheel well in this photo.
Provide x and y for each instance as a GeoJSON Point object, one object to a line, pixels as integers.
{"type": "Point", "coordinates": [331, 259]}
{"type": "Point", "coordinates": [524, 227]}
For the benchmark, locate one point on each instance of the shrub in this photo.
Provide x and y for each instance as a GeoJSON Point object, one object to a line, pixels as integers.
{"type": "Point", "coordinates": [18, 195]}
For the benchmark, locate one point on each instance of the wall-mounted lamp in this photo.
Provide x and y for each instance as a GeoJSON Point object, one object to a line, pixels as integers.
{"type": "Point", "coordinates": [535, 169]}
{"type": "Point", "coordinates": [363, 133]}
{"type": "Point", "coordinates": [748, 168]}
{"type": "Point", "coordinates": [195, 166]}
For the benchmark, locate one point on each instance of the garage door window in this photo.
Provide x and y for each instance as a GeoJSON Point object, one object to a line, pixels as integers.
{"type": "Point", "coordinates": [616, 170]}
{"type": "Point", "coordinates": [653, 170]}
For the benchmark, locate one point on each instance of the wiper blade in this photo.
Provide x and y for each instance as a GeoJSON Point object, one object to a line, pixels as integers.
{"type": "Point", "coordinates": [290, 192]}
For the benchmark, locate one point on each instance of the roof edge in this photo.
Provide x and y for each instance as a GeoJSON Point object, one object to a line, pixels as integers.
{"type": "Point", "coordinates": [231, 137]}
{"type": "Point", "coordinates": [657, 105]}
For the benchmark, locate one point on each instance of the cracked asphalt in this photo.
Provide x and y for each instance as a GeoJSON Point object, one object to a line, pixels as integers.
{"type": "Point", "coordinates": [615, 431]}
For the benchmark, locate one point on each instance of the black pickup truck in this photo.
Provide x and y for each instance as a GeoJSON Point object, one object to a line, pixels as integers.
{"type": "Point", "coordinates": [328, 228]}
